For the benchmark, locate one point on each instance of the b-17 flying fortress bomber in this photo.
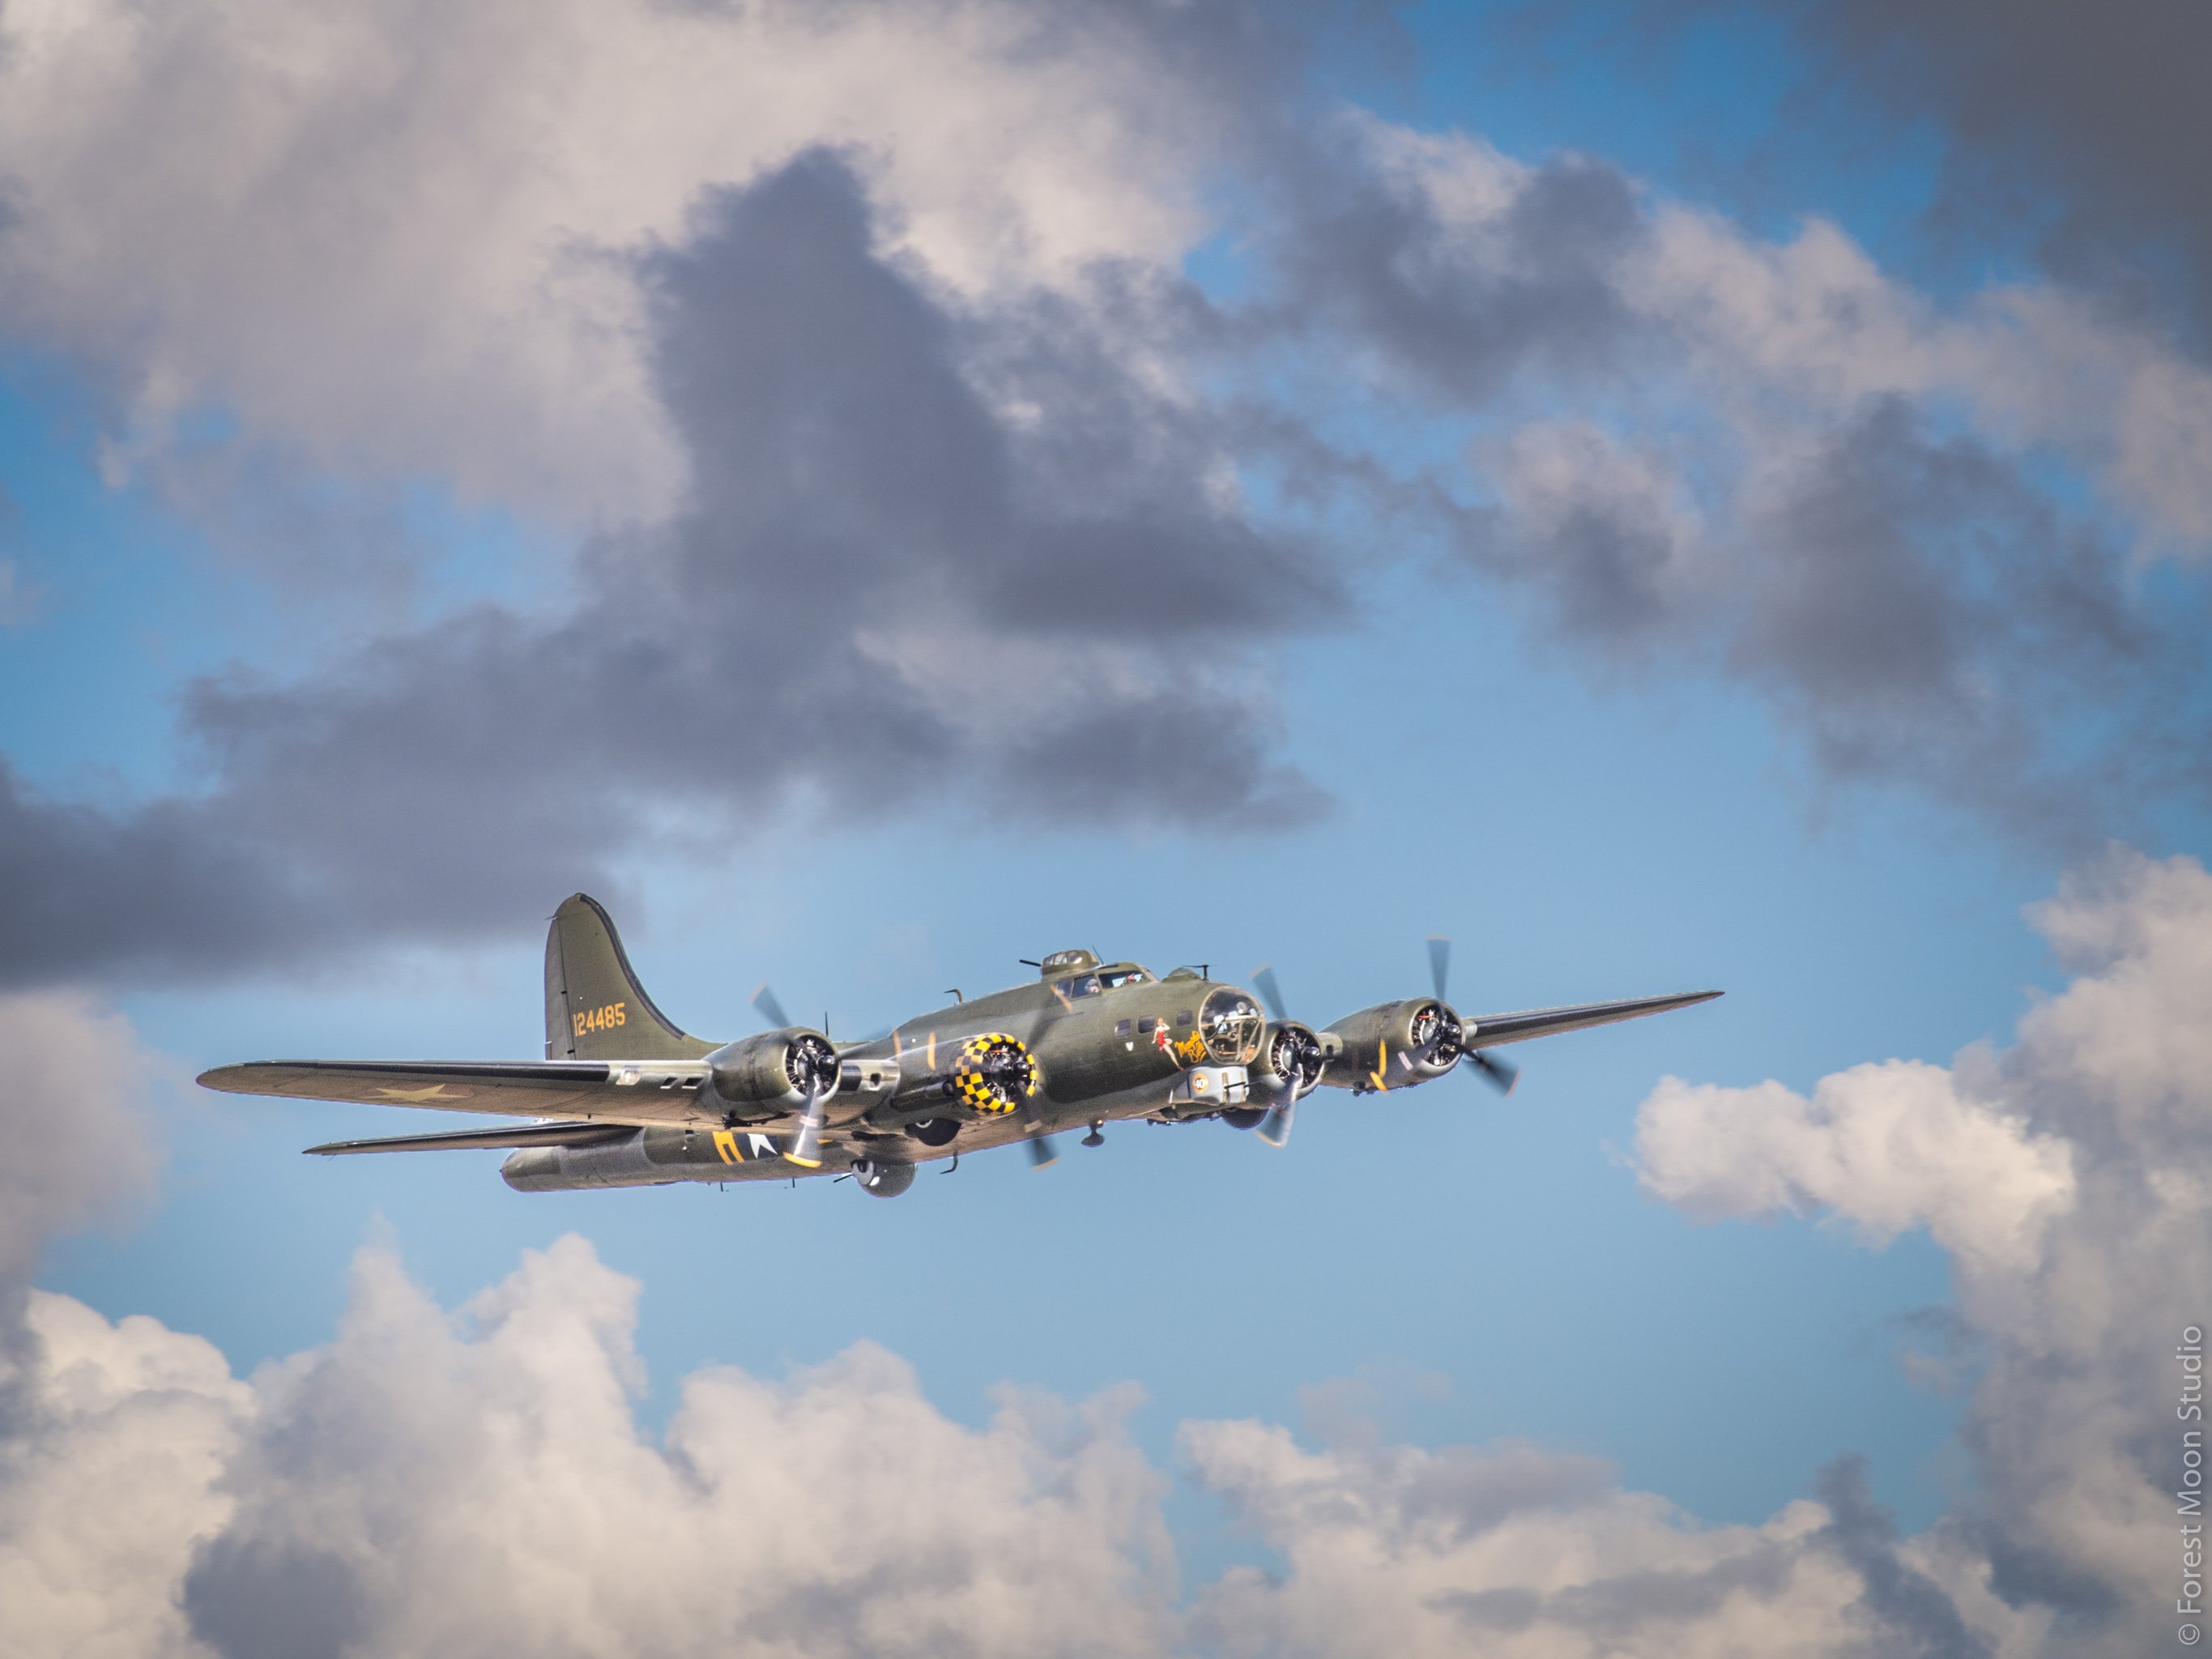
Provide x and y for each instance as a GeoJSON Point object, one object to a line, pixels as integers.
{"type": "Point", "coordinates": [624, 1098]}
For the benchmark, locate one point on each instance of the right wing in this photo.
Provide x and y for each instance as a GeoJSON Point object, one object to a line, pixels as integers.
{"type": "Point", "coordinates": [602, 1091]}
{"type": "Point", "coordinates": [1490, 1029]}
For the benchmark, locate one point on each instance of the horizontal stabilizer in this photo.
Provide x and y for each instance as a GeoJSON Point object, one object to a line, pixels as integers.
{"type": "Point", "coordinates": [532, 1134]}
{"type": "Point", "coordinates": [1490, 1029]}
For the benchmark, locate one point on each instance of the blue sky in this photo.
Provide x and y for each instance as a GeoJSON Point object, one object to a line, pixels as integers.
{"type": "Point", "coordinates": [1589, 810]}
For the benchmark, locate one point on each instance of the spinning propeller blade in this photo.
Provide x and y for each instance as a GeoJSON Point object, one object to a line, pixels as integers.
{"type": "Point", "coordinates": [770, 1010]}
{"type": "Point", "coordinates": [1041, 1151]}
{"type": "Point", "coordinates": [1275, 1128]}
{"type": "Point", "coordinates": [1439, 963]}
{"type": "Point", "coordinates": [1263, 981]}
{"type": "Point", "coordinates": [805, 1148]}
{"type": "Point", "coordinates": [1499, 1074]}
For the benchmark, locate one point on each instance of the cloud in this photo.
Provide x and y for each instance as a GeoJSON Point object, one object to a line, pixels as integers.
{"type": "Point", "coordinates": [930, 553]}
{"type": "Point", "coordinates": [899, 477]}
{"type": "Point", "coordinates": [1887, 1147]}
{"type": "Point", "coordinates": [398, 235]}
{"type": "Point", "coordinates": [477, 1482]}
{"type": "Point", "coordinates": [1925, 535]}
{"type": "Point", "coordinates": [2060, 1173]}
{"type": "Point", "coordinates": [72, 1113]}
{"type": "Point", "coordinates": [2082, 120]}
{"type": "Point", "coordinates": [479, 1485]}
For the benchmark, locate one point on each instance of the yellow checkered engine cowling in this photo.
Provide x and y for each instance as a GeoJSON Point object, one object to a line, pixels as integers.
{"type": "Point", "coordinates": [994, 1075]}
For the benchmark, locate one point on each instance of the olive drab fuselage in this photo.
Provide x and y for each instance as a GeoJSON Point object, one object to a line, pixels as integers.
{"type": "Point", "coordinates": [1108, 1040]}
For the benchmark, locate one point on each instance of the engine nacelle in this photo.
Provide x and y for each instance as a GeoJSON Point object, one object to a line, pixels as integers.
{"type": "Point", "coordinates": [1395, 1045]}
{"type": "Point", "coordinates": [775, 1073]}
{"type": "Point", "coordinates": [1289, 1062]}
{"type": "Point", "coordinates": [994, 1074]}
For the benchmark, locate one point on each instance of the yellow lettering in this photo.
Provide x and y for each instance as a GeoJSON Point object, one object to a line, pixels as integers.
{"type": "Point", "coordinates": [726, 1144]}
{"type": "Point", "coordinates": [621, 1017]}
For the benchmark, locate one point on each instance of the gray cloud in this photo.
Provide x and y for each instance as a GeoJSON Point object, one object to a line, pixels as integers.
{"type": "Point", "coordinates": [1379, 263]}
{"type": "Point", "coordinates": [2059, 1173]}
{"type": "Point", "coordinates": [2098, 108]}
{"type": "Point", "coordinates": [948, 493]}
{"type": "Point", "coordinates": [478, 1482]}
{"type": "Point", "coordinates": [1697, 449]}
{"type": "Point", "coordinates": [1913, 1613]}
{"type": "Point", "coordinates": [887, 588]}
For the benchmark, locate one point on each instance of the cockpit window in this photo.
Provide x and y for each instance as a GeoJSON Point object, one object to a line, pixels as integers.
{"type": "Point", "coordinates": [1083, 985]}
{"type": "Point", "coordinates": [1115, 978]}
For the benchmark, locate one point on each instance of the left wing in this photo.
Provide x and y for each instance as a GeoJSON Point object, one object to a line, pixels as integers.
{"type": "Point", "coordinates": [600, 1091]}
{"type": "Point", "coordinates": [525, 1135]}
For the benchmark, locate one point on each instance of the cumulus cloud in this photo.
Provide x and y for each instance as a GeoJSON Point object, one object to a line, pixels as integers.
{"type": "Point", "coordinates": [72, 1114]}
{"type": "Point", "coordinates": [2079, 122]}
{"type": "Point", "coordinates": [478, 1484]}
{"type": "Point", "coordinates": [903, 468]}
{"type": "Point", "coordinates": [398, 233]}
{"type": "Point", "coordinates": [929, 554]}
{"type": "Point", "coordinates": [1771, 461]}
{"type": "Point", "coordinates": [1887, 1147]}
{"type": "Point", "coordinates": [2061, 1174]}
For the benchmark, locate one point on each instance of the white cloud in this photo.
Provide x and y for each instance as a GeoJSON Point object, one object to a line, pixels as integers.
{"type": "Point", "coordinates": [396, 234]}
{"type": "Point", "coordinates": [78, 1139]}
{"type": "Point", "coordinates": [2065, 1174]}
{"type": "Point", "coordinates": [479, 1485]}
{"type": "Point", "coordinates": [1887, 1147]}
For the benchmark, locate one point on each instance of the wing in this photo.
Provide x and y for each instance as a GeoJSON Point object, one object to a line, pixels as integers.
{"type": "Point", "coordinates": [526, 1135]}
{"type": "Point", "coordinates": [1490, 1029]}
{"type": "Point", "coordinates": [601, 1091]}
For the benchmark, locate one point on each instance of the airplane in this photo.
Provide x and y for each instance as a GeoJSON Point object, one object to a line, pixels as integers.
{"type": "Point", "coordinates": [625, 1098]}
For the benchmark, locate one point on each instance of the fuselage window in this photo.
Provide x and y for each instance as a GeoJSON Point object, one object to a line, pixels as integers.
{"type": "Point", "coordinates": [1121, 1028]}
{"type": "Point", "coordinates": [1183, 1018]}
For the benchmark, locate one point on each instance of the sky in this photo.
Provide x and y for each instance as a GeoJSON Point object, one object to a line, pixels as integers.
{"type": "Point", "coordinates": [1681, 494]}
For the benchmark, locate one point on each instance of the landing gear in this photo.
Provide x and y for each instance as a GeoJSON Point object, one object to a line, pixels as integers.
{"type": "Point", "coordinates": [1094, 1139]}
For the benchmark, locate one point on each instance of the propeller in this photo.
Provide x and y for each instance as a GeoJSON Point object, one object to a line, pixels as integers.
{"type": "Point", "coordinates": [805, 1148]}
{"type": "Point", "coordinates": [1499, 1074]}
{"type": "Point", "coordinates": [1275, 1128]}
{"type": "Point", "coordinates": [1042, 1152]}
{"type": "Point", "coordinates": [1263, 981]}
{"type": "Point", "coordinates": [770, 1009]}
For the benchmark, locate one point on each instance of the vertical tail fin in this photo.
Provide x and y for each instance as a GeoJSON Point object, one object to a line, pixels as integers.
{"type": "Point", "coordinates": [594, 1007]}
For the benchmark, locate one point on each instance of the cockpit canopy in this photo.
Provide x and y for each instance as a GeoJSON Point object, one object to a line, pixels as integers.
{"type": "Point", "coordinates": [1111, 977]}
